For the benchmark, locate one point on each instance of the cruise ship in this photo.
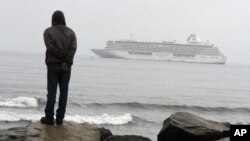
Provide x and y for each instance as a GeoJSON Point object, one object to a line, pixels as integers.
{"type": "Point", "coordinates": [194, 50]}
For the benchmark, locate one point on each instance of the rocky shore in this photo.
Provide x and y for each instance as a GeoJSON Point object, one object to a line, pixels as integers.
{"type": "Point", "coordinates": [180, 126]}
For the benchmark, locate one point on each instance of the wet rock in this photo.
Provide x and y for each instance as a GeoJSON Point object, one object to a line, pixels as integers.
{"type": "Point", "coordinates": [183, 126]}
{"type": "Point", "coordinates": [68, 131]}
{"type": "Point", "coordinates": [104, 133]}
{"type": "Point", "coordinates": [127, 138]}
{"type": "Point", "coordinates": [13, 134]}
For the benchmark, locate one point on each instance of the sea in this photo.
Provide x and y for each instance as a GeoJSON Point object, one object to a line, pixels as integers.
{"type": "Point", "coordinates": [129, 97]}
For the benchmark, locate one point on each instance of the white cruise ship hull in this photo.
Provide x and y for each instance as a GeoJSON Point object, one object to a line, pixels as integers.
{"type": "Point", "coordinates": [163, 56]}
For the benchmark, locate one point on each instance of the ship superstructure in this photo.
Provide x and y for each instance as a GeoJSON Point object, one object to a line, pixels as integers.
{"type": "Point", "coordinates": [192, 51]}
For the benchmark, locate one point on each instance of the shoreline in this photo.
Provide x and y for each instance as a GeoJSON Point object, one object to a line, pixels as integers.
{"type": "Point", "coordinates": [175, 127]}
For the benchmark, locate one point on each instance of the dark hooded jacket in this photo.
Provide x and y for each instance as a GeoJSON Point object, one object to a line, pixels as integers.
{"type": "Point", "coordinates": [60, 41]}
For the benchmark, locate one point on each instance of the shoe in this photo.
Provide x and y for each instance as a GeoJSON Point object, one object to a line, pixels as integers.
{"type": "Point", "coordinates": [59, 121]}
{"type": "Point", "coordinates": [44, 120]}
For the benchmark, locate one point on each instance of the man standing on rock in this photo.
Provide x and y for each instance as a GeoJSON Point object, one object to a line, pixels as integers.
{"type": "Point", "coordinates": [60, 42]}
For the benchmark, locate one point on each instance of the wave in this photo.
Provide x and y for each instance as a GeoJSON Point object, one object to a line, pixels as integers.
{"type": "Point", "coordinates": [19, 102]}
{"type": "Point", "coordinates": [101, 119]}
{"type": "Point", "coordinates": [137, 105]}
{"type": "Point", "coordinates": [32, 102]}
{"type": "Point", "coordinates": [139, 120]}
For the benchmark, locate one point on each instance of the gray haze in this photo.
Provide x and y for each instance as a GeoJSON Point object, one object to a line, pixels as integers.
{"type": "Point", "coordinates": [225, 22]}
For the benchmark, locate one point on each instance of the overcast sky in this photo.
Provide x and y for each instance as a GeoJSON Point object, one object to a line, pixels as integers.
{"type": "Point", "coordinates": [224, 22]}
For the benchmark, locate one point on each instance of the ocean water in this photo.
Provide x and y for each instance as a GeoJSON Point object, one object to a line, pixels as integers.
{"type": "Point", "coordinates": [126, 96]}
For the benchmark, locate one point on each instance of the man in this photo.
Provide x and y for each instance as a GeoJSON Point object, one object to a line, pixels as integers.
{"type": "Point", "coordinates": [60, 42]}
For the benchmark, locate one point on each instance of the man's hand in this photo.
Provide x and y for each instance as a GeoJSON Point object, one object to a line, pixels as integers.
{"type": "Point", "coordinates": [64, 67]}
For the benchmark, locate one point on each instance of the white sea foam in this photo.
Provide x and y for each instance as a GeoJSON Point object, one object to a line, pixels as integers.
{"type": "Point", "coordinates": [9, 116]}
{"type": "Point", "coordinates": [102, 119]}
{"type": "Point", "coordinates": [19, 102]}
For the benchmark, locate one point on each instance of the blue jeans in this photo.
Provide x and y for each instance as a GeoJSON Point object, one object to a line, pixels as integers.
{"type": "Point", "coordinates": [56, 77]}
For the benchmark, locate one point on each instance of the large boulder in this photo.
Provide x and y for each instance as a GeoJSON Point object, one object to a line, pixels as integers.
{"type": "Point", "coordinates": [68, 131]}
{"type": "Point", "coordinates": [127, 138]}
{"type": "Point", "coordinates": [184, 126]}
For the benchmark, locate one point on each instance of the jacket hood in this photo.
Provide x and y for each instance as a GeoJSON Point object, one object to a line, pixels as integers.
{"type": "Point", "coordinates": [58, 18]}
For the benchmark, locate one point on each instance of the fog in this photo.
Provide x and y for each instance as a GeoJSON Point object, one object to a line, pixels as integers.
{"type": "Point", "coordinates": [226, 23]}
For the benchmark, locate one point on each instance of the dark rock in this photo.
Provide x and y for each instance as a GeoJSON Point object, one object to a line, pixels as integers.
{"type": "Point", "coordinates": [188, 127]}
{"type": "Point", "coordinates": [104, 133]}
{"type": "Point", "coordinates": [127, 138]}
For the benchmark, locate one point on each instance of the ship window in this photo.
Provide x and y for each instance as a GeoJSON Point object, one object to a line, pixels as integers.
{"type": "Point", "coordinates": [140, 53]}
